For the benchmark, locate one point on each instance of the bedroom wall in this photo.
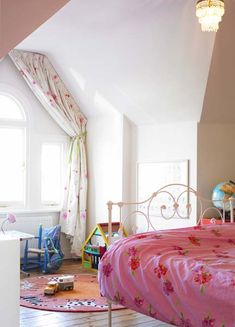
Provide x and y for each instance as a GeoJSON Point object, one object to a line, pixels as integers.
{"type": "Point", "coordinates": [108, 145]}
{"type": "Point", "coordinates": [104, 147]}
{"type": "Point", "coordinates": [168, 142]}
{"type": "Point", "coordinates": [128, 155]}
{"type": "Point", "coordinates": [219, 100]}
{"type": "Point", "coordinates": [216, 159]}
{"type": "Point", "coordinates": [216, 132]}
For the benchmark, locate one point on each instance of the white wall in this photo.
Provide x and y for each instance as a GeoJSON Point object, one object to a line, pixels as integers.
{"type": "Point", "coordinates": [168, 142]}
{"type": "Point", "coordinates": [104, 147]}
{"type": "Point", "coordinates": [128, 157]}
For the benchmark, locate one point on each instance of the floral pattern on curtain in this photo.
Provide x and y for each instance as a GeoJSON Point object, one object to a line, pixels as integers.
{"type": "Point", "coordinates": [47, 86]}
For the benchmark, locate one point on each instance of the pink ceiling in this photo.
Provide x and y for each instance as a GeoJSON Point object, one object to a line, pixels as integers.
{"type": "Point", "coordinates": [19, 18]}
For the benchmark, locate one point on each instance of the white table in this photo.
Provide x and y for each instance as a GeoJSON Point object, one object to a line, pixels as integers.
{"type": "Point", "coordinates": [17, 235]}
{"type": "Point", "coordinates": [14, 234]}
{"type": "Point", "coordinates": [10, 280]}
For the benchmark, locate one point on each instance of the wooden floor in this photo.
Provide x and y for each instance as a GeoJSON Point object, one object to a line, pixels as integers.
{"type": "Point", "coordinates": [121, 318]}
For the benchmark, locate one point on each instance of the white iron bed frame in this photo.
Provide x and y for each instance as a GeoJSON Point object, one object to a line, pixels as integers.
{"type": "Point", "coordinates": [204, 205]}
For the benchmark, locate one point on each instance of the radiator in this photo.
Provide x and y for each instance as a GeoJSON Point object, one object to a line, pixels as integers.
{"type": "Point", "coordinates": [29, 225]}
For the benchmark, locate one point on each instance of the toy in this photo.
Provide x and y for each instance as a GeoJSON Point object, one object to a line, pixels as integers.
{"type": "Point", "coordinates": [96, 244]}
{"type": "Point", "coordinates": [51, 288]}
{"type": "Point", "coordinates": [63, 283]}
{"type": "Point", "coordinates": [222, 193]}
{"type": "Point", "coordinates": [66, 283]}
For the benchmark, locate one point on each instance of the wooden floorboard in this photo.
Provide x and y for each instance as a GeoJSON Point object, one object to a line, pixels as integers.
{"type": "Point", "coordinates": [121, 318]}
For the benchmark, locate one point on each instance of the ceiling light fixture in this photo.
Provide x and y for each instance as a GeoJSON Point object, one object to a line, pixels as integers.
{"type": "Point", "coordinates": [209, 13]}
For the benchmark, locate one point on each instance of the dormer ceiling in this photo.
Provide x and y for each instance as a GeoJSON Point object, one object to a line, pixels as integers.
{"type": "Point", "coordinates": [148, 59]}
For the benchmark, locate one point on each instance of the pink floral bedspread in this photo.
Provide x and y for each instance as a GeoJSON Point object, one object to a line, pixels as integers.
{"type": "Point", "coordinates": [185, 277]}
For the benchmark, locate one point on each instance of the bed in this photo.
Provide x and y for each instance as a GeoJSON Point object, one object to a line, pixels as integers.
{"type": "Point", "coordinates": [185, 276]}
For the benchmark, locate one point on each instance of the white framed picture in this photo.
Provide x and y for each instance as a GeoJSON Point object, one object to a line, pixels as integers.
{"type": "Point", "coordinates": [151, 176]}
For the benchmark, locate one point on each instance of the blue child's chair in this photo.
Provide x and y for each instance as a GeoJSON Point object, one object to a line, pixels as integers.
{"type": "Point", "coordinates": [48, 254]}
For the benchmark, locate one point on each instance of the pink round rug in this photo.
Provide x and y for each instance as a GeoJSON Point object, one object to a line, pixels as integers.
{"type": "Point", "coordinates": [85, 296]}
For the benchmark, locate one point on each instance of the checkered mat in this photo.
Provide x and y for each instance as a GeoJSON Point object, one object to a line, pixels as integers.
{"type": "Point", "coordinates": [85, 296]}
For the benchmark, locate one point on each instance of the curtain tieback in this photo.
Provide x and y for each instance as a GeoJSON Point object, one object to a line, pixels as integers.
{"type": "Point", "coordinates": [79, 136]}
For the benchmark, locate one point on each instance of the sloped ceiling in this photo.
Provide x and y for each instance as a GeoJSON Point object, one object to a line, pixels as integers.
{"type": "Point", "coordinates": [19, 18]}
{"type": "Point", "coordinates": [219, 102]}
{"type": "Point", "coordinates": [145, 58]}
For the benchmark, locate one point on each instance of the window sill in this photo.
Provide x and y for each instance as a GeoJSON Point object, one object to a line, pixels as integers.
{"type": "Point", "coordinates": [29, 211]}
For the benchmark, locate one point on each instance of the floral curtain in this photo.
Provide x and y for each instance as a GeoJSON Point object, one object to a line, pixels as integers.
{"type": "Point", "coordinates": [47, 86]}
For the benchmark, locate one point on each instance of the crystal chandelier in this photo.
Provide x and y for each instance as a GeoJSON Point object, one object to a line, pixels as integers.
{"type": "Point", "coordinates": [209, 13]}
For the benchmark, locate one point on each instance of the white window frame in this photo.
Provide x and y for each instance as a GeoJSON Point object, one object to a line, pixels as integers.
{"type": "Point", "coordinates": [16, 124]}
{"type": "Point", "coordinates": [33, 145]}
{"type": "Point", "coordinates": [61, 145]}
{"type": "Point", "coordinates": [33, 203]}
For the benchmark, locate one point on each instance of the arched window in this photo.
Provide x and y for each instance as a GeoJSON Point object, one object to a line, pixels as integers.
{"type": "Point", "coordinates": [12, 152]}
{"type": "Point", "coordinates": [33, 155]}
{"type": "Point", "coordinates": [10, 109]}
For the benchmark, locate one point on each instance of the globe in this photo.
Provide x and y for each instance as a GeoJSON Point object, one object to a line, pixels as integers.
{"type": "Point", "coordinates": [222, 192]}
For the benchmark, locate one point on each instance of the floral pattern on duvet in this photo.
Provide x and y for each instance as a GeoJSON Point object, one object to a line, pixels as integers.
{"type": "Point", "coordinates": [185, 276]}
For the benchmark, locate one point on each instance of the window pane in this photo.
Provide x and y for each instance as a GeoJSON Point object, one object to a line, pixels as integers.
{"type": "Point", "coordinates": [51, 173]}
{"type": "Point", "coordinates": [9, 108]}
{"type": "Point", "coordinates": [12, 170]}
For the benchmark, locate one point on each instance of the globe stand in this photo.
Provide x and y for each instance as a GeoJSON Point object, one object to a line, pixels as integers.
{"type": "Point", "coordinates": [227, 215]}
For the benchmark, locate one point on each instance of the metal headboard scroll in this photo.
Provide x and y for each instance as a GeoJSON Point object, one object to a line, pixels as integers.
{"type": "Point", "coordinates": [174, 201]}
